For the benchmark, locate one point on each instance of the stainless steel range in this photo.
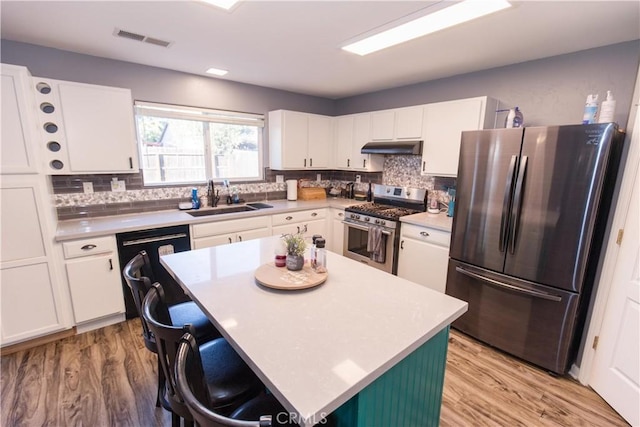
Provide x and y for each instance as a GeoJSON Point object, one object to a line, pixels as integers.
{"type": "Point", "coordinates": [371, 229]}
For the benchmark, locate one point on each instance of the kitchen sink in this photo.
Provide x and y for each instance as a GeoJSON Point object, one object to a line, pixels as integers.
{"type": "Point", "coordinates": [220, 211]}
{"type": "Point", "coordinates": [259, 205]}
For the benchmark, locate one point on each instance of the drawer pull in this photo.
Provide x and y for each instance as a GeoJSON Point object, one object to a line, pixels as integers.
{"type": "Point", "coordinates": [88, 247]}
{"type": "Point", "coordinates": [341, 214]}
{"type": "Point", "coordinates": [424, 234]}
{"type": "Point", "coordinates": [314, 214]}
{"type": "Point", "coordinates": [289, 218]}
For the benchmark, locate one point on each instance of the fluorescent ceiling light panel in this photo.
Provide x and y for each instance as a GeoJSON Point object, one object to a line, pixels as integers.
{"type": "Point", "coordinates": [217, 72]}
{"type": "Point", "coordinates": [224, 4]}
{"type": "Point", "coordinates": [444, 18]}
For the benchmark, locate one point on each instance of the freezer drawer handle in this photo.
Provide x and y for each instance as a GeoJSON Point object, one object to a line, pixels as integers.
{"type": "Point", "coordinates": [536, 294]}
{"type": "Point", "coordinates": [508, 191]}
{"type": "Point", "coordinates": [154, 239]}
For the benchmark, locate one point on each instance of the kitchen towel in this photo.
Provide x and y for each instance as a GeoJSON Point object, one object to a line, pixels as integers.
{"type": "Point", "coordinates": [375, 244]}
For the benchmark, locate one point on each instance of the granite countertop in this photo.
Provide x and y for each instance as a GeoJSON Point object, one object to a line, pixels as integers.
{"type": "Point", "coordinates": [109, 225]}
{"type": "Point", "coordinates": [438, 221]}
{"type": "Point", "coordinates": [315, 348]}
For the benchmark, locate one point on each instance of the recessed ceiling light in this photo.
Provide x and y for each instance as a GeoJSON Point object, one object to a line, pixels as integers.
{"type": "Point", "coordinates": [217, 71]}
{"type": "Point", "coordinates": [224, 4]}
{"type": "Point", "coordinates": [444, 18]}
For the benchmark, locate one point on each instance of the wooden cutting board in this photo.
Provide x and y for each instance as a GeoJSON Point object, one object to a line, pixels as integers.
{"type": "Point", "coordinates": [311, 193]}
{"type": "Point", "coordinates": [281, 278]}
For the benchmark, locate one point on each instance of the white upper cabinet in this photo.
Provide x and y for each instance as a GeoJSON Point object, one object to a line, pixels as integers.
{"type": "Point", "coordinates": [444, 123]}
{"type": "Point", "coordinates": [397, 124]}
{"type": "Point", "coordinates": [85, 128]}
{"type": "Point", "coordinates": [299, 140]}
{"type": "Point", "coordinates": [19, 133]}
{"type": "Point", "coordinates": [352, 132]}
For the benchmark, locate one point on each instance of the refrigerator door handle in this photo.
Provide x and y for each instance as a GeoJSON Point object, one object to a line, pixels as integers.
{"type": "Point", "coordinates": [536, 294]}
{"type": "Point", "coordinates": [517, 203]}
{"type": "Point", "coordinates": [508, 191]}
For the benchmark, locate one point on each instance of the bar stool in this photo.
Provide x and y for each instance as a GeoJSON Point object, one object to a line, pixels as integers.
{"type": "Point", "coordinates": [230, 381]}
{"type": "Point", "coordinates": [136, 273]}
{"type": "Point", "coordinates": [261, 411]}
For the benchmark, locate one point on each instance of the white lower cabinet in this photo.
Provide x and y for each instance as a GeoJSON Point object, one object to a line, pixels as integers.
{"type": "Point", "coordinates": [308, 222]}
{"type": "Point", "coordinates": [232, 231]}
{"type": "Point", "coordinates": [336, 243]}
{"type": "Point", "coordinates": [93, 272]}
{"type": "Point", "coordinates": [32, 300]}
{"type": "Point", "coordinates": [424, 256]}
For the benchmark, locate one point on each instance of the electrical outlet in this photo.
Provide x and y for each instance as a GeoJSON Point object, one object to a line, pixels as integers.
{"type": "Point", "coordinates": [319, 177]}
{"type": "Point", "coordinates": [118, 186]}
{"type": "Point", "coordinates": [87, 187]}
{"type": "Point", "coordinates": [279, 179]}
{"type": "Point", "coordinates": [358, 179]}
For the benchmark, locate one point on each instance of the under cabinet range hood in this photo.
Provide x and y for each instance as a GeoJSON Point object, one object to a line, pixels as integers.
{"type": "Point", "coordinates": [392, 147]}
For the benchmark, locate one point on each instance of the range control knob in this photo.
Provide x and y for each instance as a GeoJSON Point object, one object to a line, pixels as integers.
{"type": "Point", "coordinates": [377, 221]}
{"type": "Point", "coordinates": [366, 218]}
{"type": "Point", "coordinates": [382, 222]}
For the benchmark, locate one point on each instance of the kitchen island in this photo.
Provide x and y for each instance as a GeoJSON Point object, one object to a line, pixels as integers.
{"type": "Point", "coordinates": [365, 345]}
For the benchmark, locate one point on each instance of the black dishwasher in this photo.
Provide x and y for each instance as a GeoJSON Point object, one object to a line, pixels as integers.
{"type": "Point", "coordinates": [157, 241]}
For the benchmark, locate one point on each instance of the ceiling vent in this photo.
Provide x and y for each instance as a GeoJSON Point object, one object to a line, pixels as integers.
{"type": "Point", "coordinates": [140, 37]}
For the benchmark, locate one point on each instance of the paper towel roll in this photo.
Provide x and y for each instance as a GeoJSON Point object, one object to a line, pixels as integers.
{"type": "Point", "coordinates": [292, 189]}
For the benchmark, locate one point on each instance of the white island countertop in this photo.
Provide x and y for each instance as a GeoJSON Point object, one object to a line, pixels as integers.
{"type": "Point", "coordinates": [314, 348]}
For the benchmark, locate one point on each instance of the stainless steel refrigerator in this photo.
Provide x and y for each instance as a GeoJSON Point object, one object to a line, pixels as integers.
{"type": "Point", "coordinates": [530, 215]}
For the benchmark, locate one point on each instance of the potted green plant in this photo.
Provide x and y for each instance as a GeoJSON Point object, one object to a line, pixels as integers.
{"type": "Point", "coordinates": [295, 246]}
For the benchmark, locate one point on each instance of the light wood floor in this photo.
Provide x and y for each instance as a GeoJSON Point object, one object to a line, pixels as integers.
{"type": "Point", "coordinates": [107, 378]}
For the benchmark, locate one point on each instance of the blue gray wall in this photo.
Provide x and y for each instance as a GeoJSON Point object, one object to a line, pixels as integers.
{"type": "Point", "coordinates": [158, 84]}
{"type": "Point", "coordinates": [549, 91]}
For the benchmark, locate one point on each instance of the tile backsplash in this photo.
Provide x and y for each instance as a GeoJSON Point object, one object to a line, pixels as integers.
{"type": "Point", "coordinates": [72, 203]}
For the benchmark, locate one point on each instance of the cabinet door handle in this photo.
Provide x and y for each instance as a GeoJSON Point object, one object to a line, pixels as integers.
{"type": "Point", "coordinates": [305, 163]}
{"type": "Point", "coordinates": [348, 163]}
{"type": "Point", "coordinates": [364, 163]}
{"type": "Point", "coordinates": [424, 234]}
{"type": "Point", "coordinates": [239, 238]}
{"type": "Point", "coordinates": [130, 163]}
{"type": "Point", "coordinates": [423, 166]}
{"type": "Point", "coordinates": [110, 264]}
{"type": "Point", "coordinates": [401, 244]}
{"type": "Point", "coordinates": [304, 228]}
{"type": "Point", "coordinates": [314, 214]}
{"type": "Point", "coordinates": [289, 218]}
{"type": "Point", "coordinates": [310, 163]}
{"type": "Point", "coordinates": [298, 227]}
{"type": "Point", "coordinates": [88, 247]}
{"type": "Point", "coordinates": [230, 241]}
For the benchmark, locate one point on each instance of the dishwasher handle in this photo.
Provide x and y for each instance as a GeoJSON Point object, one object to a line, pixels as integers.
{"type": "Point", "coordinates": [154, 239]}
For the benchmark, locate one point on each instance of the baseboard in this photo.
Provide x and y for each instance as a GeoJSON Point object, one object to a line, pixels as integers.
{"type": "Point", "coordinates": [46, 339]}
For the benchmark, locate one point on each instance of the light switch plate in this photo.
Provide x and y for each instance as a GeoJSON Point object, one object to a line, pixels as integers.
{"type": "Point", "coordinates": [358, 178]}
{"type": "Point", "coordinates": [279, 179]}
{"type": "Point", "coordinates": [87, 187]}
{"type": "Point", "coordinates": [118, 186]}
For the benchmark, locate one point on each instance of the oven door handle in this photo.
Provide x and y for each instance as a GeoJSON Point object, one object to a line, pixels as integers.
{"type": "Point", "coordinates": [363, 228]}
